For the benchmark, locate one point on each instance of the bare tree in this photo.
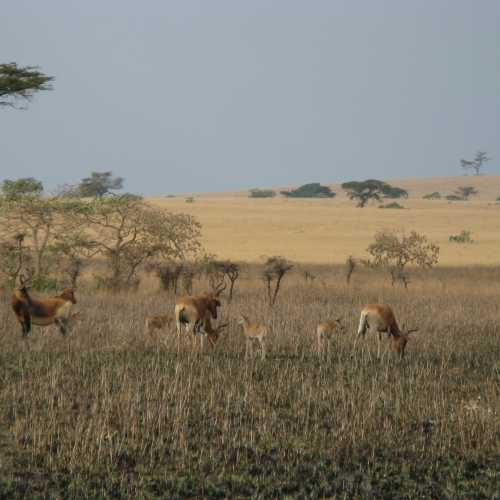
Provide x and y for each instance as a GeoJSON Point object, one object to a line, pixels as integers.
{"type": "Point", "coordinates": [218, 271]}
{"type": "Point", "coordinates": [477, 163]}
{"type": "Point", "coordinates": [394, 250]}
{"type": "Point", "coordinates": [274, 271]}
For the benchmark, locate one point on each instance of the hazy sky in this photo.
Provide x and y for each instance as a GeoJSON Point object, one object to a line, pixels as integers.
{"type": "Point", "coordinates": [220, 95]}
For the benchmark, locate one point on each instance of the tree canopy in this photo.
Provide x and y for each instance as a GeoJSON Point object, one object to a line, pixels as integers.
{"type": "Point", "coordinates": [477, 163]}
{"type": "Point", "coordinates": [99, 184]}
{"type": "Point", "coordinates": [312, 190]}
{"type": "Point", "coordinates": [21, 187]}
{"type": "Point", "coordinates": [21, 83]}
{"type": "Point", "coordinates": [372, 189]}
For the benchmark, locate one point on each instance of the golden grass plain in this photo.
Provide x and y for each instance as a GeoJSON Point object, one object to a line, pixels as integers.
{"type": "Point", "coordinates": [329, 230]}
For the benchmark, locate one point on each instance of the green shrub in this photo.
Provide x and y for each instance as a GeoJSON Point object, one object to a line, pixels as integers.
{"type": "Point", "coordinates": [432, 196]}
{"type": "Point", "coordinates": [261, 193]}
{"type": "Point", "coordinates": [394, 204]}
{"type": "Point", "coordinates": [312, 190]}
{"type": "Point", "coordinates": [462, 237]}
{"type": "Point", "coordinates": [190, 199]}
{"type": "Point", "coordinates": [454, 197]}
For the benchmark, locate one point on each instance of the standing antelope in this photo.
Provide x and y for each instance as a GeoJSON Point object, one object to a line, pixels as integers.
{"type": "Point", "coordinates": [325, 331]}
{"type": "Point", "coordinates": [379, 318]}
{"type": "Point", "coordinates": [191, 310]}
{"type": "Point", "coordinates": [43, 312]}
{"type": "Point", "coordinates": [253, 331]}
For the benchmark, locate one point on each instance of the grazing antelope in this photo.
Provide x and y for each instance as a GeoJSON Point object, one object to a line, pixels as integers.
{"type": "Point", "coordinates": [191, 310]}
{"type": "Point", "coordinates": [326, 330]}
{"type": "Point", "coordinates": [379, 318]}
{"type": "Point", "coordinates": [43, 312]}
{"type": "Point", "coordinates": [153, 323]}
{"type": "Point", "coordinates": [253, 331]}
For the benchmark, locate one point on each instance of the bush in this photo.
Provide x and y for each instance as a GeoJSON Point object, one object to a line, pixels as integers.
{"type": "Point", "coordinates": [395, 192]}
{"type": "Point", "coordinates": [190, 199]}
{"type": "Point", "coordinates": [394, 204]}
{"type": "Point", "coordinates": [498, 198]}
{"type": "Point", "coordinates": [454, 197]}
{"type": "Point", "coordinates": [432, 196]}
{"type": "Point", "coordinates": [261, 193]}
{"type": "Point", "coordinates": [312, 190]}
{"type": "Point", "coordinates": [463, 237]}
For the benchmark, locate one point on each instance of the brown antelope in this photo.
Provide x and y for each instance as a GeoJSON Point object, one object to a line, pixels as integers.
{"type": "Point", "coordinates": [191, 310]}
{"type": "Point", "coordinates": [159, 322]}
{"type": "Point", "coordinates": [325, 331]}
{"type": "Point", "coordinates": [253, 331]}
{"type": "Point", "coordinates": [379, 318]}
{"type": "Point", "coordinates": [43, 312]}
{"type": "Point", "coordinates": [212, 334]}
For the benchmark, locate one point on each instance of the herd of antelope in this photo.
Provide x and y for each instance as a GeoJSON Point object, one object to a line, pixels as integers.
{"type": "Point", "coordinates": [196, 312]}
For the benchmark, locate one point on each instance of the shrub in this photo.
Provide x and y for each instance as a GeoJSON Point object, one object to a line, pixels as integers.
{"type": "Point", "coordinates": [395, 192]}
{"type": "Point", "coordinates": [454, 197]}
{"type": "Point", "coordinates": [394, 204]}
{"type": "Point", "coordinates": [462, 237]}
{"type": "Point", "coordinates": [261, 193]}
{"type": "Point", "coordinates": [190, 199]}
{"type": "Point", "coordinates": [312, 190]}
{"type": "Point", "coordinates": [432, 196]}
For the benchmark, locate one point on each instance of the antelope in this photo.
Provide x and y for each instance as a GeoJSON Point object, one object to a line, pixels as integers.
{"type": "Point", "coordinates": [191, 310]}
{"type": "Point", "coordinates": [152, 323]}
{"type": "Point", "coordinates": [379, 318]}
{"type": "Point", "coordinates": [43, 312]}
{"type": "Point", "coordinates": [212, 334]}
{"type": "Point", "coordinates": [326, 330]}
{"type": "Point", "coordinates": [253, 331]}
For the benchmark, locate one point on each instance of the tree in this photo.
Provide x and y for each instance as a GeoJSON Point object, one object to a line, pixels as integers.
{"type": "Point", "coordinates": [217, 272]}
{"type": "Point", "coordinates": [464, 192]}
{"type": "Point", "coordinates": [261, 193]}
{"type": "Point", "coordinates": [42, 221]}
{"type": "Point", "coordinates": [372, 189]}
{"type": "Point", "coordinates": [128, 232]}
{"type": "Point", "coordinates": [275, 269]}
{"type": "Point", "coordinates": [364, 191]}
{"type": "Point", "coordinates": [99, 184]}
{"type": "Point", "coordinates": [21, 187]}
{"type": "Point", "coordinates": [394, 250]}
{"type": "Point", "coordinates": [312, 190]}
{"type": "Point", "coordinates": [477, 163]}
{"type": "Point", "coordinates": [20, 84]}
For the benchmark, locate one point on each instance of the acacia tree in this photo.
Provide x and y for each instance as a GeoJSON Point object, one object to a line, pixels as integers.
{"type": "Point", "coordinates": [41, 220]}
{"type": "Point", "coordinates": [21, 83]}
{"type": "Point", "coordinates": [99, 184]}
{"type": "Point", "coordinates": [20, 187]}
{"type": "Point", "coordinates": [128, 233]}
{"type": "Point", "coordinates": [274, 271]}
{"type": "Point", "coordinates": [372, 189]}
{"type": "Point", "coordinates": [218, 271]}
{"type": "Point", "coordinates": [394, 250]}
{"type": "Point", "coordinates": [464, 192]}
{"type": "Point", "coordinates": [477, 163]}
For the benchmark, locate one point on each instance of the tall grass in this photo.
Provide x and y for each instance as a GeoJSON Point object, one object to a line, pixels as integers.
{"type": "Point", "coordinates": [137, 411]}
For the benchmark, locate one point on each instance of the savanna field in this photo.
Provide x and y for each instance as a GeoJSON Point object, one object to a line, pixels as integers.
{"type": "Point", "coordinates": [112, 411]}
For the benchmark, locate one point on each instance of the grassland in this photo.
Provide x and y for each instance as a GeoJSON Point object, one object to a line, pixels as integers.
{"type": "Point", "coordinates": [111, 412]}
{"type": "Point", "coordinates": [327, 231]}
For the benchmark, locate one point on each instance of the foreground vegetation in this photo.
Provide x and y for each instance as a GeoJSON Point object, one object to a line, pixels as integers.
{"type": "Point", "coordinates": [110, 411]}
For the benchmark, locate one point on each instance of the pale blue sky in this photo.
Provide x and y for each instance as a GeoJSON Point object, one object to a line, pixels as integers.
{"type": "Point", "coordinates": [222, 95]}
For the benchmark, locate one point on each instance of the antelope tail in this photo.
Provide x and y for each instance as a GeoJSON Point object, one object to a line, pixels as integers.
{"type": "Point", "coordinates": [363, 324]}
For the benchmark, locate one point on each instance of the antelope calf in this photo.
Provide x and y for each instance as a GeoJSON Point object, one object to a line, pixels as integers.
{"type": "Point", "coordinates": [43, 312]}
{"type": "Point", "coordinates": [212, 333]}
{"type": "Point", "coordinates": [253, 332]}
{"type": "Point", "coordinates": [379, 318]}
{"type": "Point", "coordinates": [325, 331]}
{"type": "Point", "coordinates": [191, 310]}
{"type": "Point", "coordinates": [159, 322]}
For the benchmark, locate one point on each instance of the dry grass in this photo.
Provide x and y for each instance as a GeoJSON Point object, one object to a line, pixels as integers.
{"type": "Point", "coordinates": [112, 411]}
{"type": "Point", "coordinates": [328, 231]}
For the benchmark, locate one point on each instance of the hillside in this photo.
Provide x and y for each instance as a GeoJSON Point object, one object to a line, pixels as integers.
{"type": "Point", "coordinates": [327, 231]}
